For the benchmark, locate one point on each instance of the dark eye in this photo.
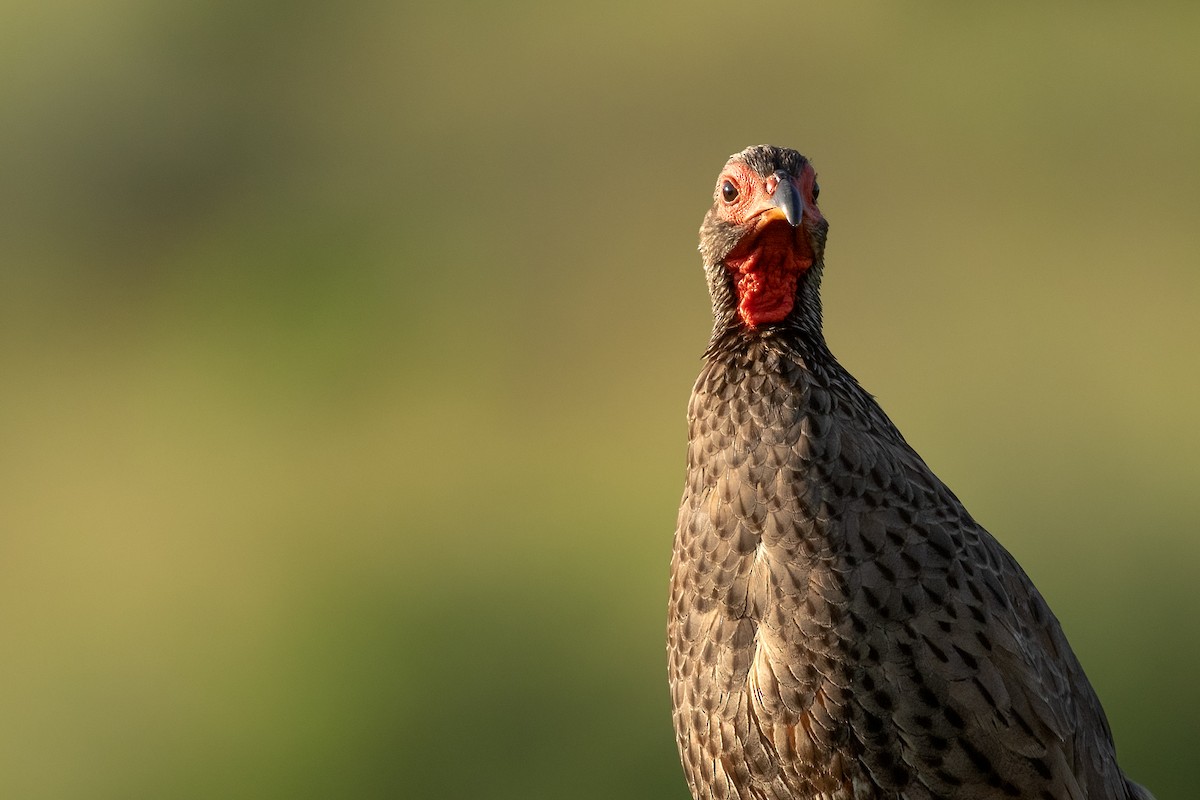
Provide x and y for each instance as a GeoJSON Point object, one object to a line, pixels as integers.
{"type": "Point", "coordinates": [729, 191]}
{"type": "Point", "coordinates": [816, 190]}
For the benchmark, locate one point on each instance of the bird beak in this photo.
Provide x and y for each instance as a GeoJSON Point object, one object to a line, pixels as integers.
{"type": "Point", "coordinates": [787, 199]}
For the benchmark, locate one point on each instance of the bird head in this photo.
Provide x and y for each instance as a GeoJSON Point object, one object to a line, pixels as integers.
{"type": "Point", "coordinates": [763, 235]}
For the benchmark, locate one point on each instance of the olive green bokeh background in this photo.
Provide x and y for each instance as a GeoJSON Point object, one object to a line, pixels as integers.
{"type": "Point", "coordinates": [345, 350]}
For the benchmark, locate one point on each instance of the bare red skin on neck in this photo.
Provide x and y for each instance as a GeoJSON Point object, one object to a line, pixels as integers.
{"type": "Point", "coordinates": [766, 266]}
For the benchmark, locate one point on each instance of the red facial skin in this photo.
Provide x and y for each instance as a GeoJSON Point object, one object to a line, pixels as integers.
{"type": "Point", "coordinates": [768, 261]}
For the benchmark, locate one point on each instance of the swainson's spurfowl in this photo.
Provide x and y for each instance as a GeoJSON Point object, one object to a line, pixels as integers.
{"type": "Point", "coordinates": [840, 627]}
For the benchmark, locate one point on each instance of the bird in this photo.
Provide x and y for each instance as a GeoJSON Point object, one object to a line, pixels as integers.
{"type": "Point", "coordinates": [839, 626]}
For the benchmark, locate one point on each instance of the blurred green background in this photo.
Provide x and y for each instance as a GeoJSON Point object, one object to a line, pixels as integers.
{"type": "Point", "coordinates": [345, 351]}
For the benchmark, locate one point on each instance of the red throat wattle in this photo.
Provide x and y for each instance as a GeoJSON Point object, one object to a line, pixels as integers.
{"type": "Point", "coordinates": [766, 266]}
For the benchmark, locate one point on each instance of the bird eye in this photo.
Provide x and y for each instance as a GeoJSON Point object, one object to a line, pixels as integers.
{"type": "Point", "coordinates": [816, 190]}
{"type": "Point", "coordinates": [729, 191]}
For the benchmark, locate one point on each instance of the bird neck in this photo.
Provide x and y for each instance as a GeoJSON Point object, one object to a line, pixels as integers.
{"type": "Point", "coordinates": [798, 338]}
{"type": "Point", "coordinates": [799, 335]}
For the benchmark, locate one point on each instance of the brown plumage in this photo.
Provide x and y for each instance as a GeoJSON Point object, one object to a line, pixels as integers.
{"type": "Point", "coordinates": [840, 627]}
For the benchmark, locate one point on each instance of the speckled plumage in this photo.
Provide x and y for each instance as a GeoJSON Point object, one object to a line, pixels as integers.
{"type": "Point", "coordinates": [840, 628]}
